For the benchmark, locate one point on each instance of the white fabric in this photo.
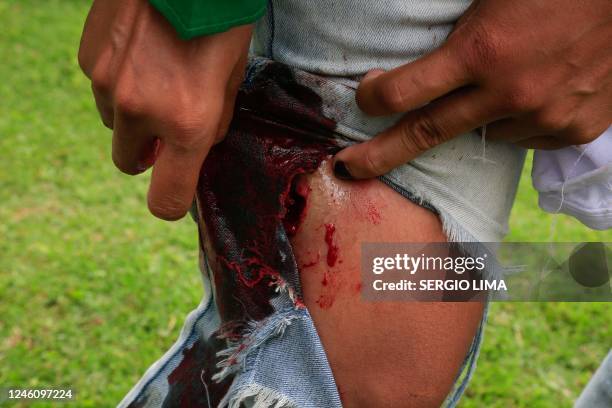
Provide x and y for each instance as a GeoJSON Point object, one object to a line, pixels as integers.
{"type": "Point", "coordinates": [577, 181]}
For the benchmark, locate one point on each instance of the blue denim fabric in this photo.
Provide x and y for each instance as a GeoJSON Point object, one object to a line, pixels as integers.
{"type": "Point", "coordinates": [287, 370]}
{"type": "Point", "coordinates": [290, 370]}
{"type": "Point", "coordinates": [350, 37]}
{"type": "Point", "coordinates": [598, 392]}
{"type": "Point", "coordinates": [284, 363]}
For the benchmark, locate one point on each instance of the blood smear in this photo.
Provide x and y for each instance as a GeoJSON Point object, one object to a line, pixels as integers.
{"type": "Point", "coordinates": [332, 248]}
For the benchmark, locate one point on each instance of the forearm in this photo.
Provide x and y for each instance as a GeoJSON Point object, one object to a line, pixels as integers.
{"type": "Point", "coordinates": [192, 18]}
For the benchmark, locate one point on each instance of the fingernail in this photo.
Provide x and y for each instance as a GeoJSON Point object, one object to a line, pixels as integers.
{"type": "Point", "coordinates": [341, 171]}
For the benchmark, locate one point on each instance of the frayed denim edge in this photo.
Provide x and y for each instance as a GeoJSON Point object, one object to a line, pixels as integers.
{"type": "Point", "coordinates": [258, 332]}
{"type": "Point", "coordinates": [455, 232]}
{"type": "Point", "coordinates": [236, 355]}
{"type": "Point", "coordinates": [258, 396]}
{"type": "Point", "coordinates": [186, 334]}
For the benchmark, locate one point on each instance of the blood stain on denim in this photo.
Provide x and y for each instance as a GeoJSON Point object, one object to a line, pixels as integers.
{"type": "Point", "coordinates": [250, 190]}
{"type": "Point", "coordinates": [190, 383]}
{"type": "Point", "coordinates": [250, 200]}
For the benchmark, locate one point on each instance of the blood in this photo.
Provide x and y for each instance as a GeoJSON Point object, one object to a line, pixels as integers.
{"type": "Point", "coordinates": [326, 279]}
{"type": "Point", "coordinates": [313, 262]}
{"type": "Point", "coordinates": [251, 196]}
{"type": "Point", "coordinates": [373, 214]}
{"type": "Point", "coordinates": [296, 206]}
{"type": "Point", "coordinates": [250, 200]}
{"type": "Point", "coordinates": [326, 301]}
{"type": "Point", "coordinates": [190, 383]}
{"type": "Point", "coordinates": [332, 248]}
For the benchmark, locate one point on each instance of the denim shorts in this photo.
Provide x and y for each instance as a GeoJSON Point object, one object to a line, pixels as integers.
{"type": "Point", "coordinates": [469, 182]}
{"type": "Point", "coordinates": [281, 362]}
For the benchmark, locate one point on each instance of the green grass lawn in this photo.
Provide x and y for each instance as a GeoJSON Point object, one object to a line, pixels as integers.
{"type": "Point", "coordinates": [93, 289]}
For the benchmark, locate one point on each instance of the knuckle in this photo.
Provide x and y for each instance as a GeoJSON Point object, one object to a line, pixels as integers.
{"type": "Point", "coordinates": [101, 81]}
{"type": "Point", "coordinates": [551, 120]}
{"type": "Point", "coordinates": [190, 125]}
{"type": "Point", "coordinates": [83, 61]}
{"type": "Point", "coordinates": [484, 48]}
{"type": "Point", "coordinates": [421, 134]}
{"type": "Point", "coordinates": [522, 97]}
{"type": "Point", "coordinates": [168, 208]}
{"type": "Point", "coordinates": [128, 103]}
{"type": "Point", "coordinates": [390, 95]}
{"type": "Point", "coordinates": [375, 162]}
{"type": "Point", "coordinates": [187, 130]}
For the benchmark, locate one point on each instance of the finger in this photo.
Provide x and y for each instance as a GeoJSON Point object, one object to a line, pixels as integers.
{"type": "Point", "coordinates": [468, 14]}
{"type": "Point", "coordinates": [174, 180]}
{"type": "Point", "coordinates": [98, 38]}
{"type": "Point", "coordinates": [102, 87]}
{"type": "Point", "coordinates": [231, 91]}
{"type": "Point", "coordinates": [133, 144]}
{"type": "Point", "coordinates": [418, 131]}
{"type": "Point", "coordinates": [543, 142]}
{"type": "Point", "coordinates": [512, 130]}
{"type": "Point", "coordinates": [105, 108]}
{"type": "Point", "coordinates": [412, 85]}
{"type": "Point", "coordinates": [226, 117]}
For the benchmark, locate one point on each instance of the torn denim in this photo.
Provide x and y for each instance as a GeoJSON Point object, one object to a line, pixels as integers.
{"type": "Point", "coordinates": [251, 341]}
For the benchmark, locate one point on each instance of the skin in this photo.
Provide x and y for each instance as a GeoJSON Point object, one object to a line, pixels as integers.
{"type": "Point", "coordinates": [512, 65]}
{"type": "Point", "coordinates": [537, 73]}
{"type": "Point", "coordinates": [166, 100]}
{"type": "Point", "coordinates": [382, 354]}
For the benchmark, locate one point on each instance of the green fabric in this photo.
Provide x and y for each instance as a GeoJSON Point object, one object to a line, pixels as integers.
{"type": "Point", "coordinates": [193, 18]}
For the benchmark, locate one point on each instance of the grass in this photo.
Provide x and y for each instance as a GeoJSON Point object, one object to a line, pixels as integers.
{"type": "Point", "coordinates": [93, 289]}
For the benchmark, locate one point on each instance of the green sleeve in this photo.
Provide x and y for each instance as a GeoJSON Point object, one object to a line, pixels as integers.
{"type": "Point", "coordinates": [193, 18]}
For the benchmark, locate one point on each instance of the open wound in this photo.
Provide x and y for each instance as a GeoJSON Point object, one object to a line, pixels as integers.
{"type": "Point", "coordinates": [250, 200]}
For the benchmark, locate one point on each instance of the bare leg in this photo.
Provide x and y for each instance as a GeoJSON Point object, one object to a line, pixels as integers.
{"type": "Point", "coordinates": [401, 354]}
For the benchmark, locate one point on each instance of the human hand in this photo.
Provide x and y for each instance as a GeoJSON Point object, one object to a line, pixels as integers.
{"type": "Point", "coordinates": [166, 100]}
{"type": "Point", "coordinates": [539, 73]}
